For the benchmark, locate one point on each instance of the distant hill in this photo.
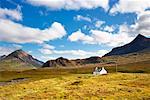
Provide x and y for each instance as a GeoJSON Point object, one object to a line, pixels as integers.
{"type": "Point", "coordinates": [63, 62]}
{"type": "Point", "coordinates": [25, 57]}
{"type": "Point", "coordinates": [90, 60]}
{"type": "Point", "coordinates": [2, 57]}
{"type": "Point", "coordinates": [59, 62]}
{"type": "Point", "coordinates": [138, 44]}
{"type": "Point", "coordinates": [19, 60]}
{"type": "Point", "coordinates": [140, 56]}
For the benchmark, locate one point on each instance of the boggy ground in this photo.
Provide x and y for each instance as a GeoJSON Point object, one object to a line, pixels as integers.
{"type": "Point", "coordinates": [118, 86]}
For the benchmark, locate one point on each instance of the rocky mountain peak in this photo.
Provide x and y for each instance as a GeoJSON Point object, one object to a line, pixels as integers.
{"type": "Point", "coordinates": [24, 57]}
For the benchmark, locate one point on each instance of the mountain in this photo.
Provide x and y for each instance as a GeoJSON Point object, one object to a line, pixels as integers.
{"type": "Point", "coordinates": [138, 44]}
{"type": "Point", "coordinates": [19, 60]}
{"type": "Point", "coordinates": [90, 60]}
{"type": "Point", "coordinates": [25, 57]}
{"type": "Point", "coordinates": [2, 57]}
{"type": "Point", "coordinates": [140, 56]}
{"type": "Point", "coordinates": [58, 62]}
{"type": "Point", "coordinates": [63, 62]}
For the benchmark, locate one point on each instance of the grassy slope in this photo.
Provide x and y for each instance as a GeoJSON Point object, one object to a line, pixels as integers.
{"type": "Point", "coordinates": [129, 58]}
{"type": "Point", "coordinates": [15, 65]}
{"type": "Point", "coordinates": [81, 86]}
{"type": "Point", "coordinates": [140, 67]}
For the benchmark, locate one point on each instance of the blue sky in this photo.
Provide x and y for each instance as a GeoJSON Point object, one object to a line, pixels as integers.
{"type": "Point", "coordinates": [48, 29]}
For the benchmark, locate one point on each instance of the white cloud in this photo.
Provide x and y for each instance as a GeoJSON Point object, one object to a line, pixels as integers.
{"type": "Point", "coordinates": [17, 46]}
{"type": "Point", "coordinates": [23, 34]}
{"type": "Point", "coordinates": [5, 50]}
{"type": "Point", "coordinates": [80, 18]}
{"type": "Point", "coordinates": [73, 53]}
{"type": "Point", "coordinates": [109, 28]}
{"type": "Point", "coordinates": [45, 51]}
{"type": "Point", "coordinates": [101, 52]}
{"type": "Point", "coordinates": [46, 58]}
{"type": "Point", "coordinates": [142, 25]}
{"type": "Point", "coordinates": [47, 46]}
{"type": "Point", "coordinates": [14, 14]}
{"type": "Point", "coordinates": [71, 4]}
{"type": "Point", "coordinates": [110, 39]}
{"type": "Point", "coordinates": [102, 37]}
{"type": "Point", "coordinates": [81, 53]}
{"type": "Point", "coordinates": [29, 51]}
{"type": "Point", "coordinates": [79, 36]}
{"type": "Point", "coordinates": [125, 34]}
{"type": "Point", "coordinates": [99, 23]}
{"type": "Point", "coordinates": [130, 6]}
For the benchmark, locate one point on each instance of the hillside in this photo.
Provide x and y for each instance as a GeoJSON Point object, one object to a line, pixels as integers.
{"type": "Point", "coordinates": [135, 57]}
{"type": "Point", "coordinates": [63, 62]}
{"type": "Point", "coordinates": [19, 60]}
{"type": "Point", "coordinates": [137, 50]}
{"type": "Point", "coordinates": [59, 62]}
{"type": "Point", "coordinates": [2, 57]}
{"type": "Point", "coordinates": [90, 60]}
{"type": "Point", "coordinates": [138, 44]}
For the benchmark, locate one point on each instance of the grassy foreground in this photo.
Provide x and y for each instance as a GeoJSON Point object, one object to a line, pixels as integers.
{"type": "Point", "coordinates": [118, 86]}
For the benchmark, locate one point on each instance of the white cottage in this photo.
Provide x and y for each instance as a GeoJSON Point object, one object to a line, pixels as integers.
{"type": "Point", "coordinates": [100, 71]}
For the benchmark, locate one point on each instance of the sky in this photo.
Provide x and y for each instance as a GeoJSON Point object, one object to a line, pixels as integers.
{"type": "Point", "coordinates": [48, 29]}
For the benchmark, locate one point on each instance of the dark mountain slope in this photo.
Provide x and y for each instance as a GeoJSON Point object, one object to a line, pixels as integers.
{"type": "Point", "coordinates": [2, 57]}
{"type": "Point", "coordinates": [140, 56]}
{"type": "Point", "coordinates": [138, 44]}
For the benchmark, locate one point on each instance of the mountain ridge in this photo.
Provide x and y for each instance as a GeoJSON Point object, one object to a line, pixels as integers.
{"type": "Point", "coordinates": [138, 44]}
{"type": "Point", "coordinates": [25, 57]}
{"type": "Point", "coordinates": [58, 62]}
{"type": "Point", "coordinates": [2, 57]}
{"type": "Point", "coordinates": [19, 60]}
{"type": "Point", "coordinates": [64, 62]}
